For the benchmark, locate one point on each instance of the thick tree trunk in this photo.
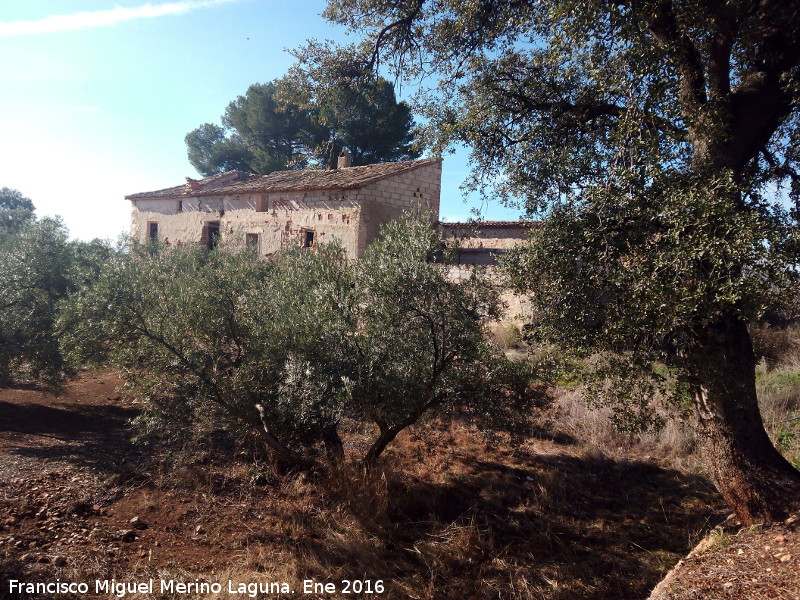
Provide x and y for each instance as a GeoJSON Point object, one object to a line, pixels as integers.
{"type": "Point", "coordinates": [753, 477]}
{"type": "Point", "coordinates": [334, 449]}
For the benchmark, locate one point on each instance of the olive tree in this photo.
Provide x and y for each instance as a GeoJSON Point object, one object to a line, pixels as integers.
{"type": "Point", "coordinates": [422, 345]}
{"type": "Point", "coordinates": [221, 340]}
{"type": "Point", "coordinates": [651, 136]}
{"type": "Point", "coordinates": [292, 346]}
{"type": "Point", "coordinates": [39, 267]}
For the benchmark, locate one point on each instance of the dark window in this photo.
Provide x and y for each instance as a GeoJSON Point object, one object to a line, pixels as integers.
{"type": "Point", "coordinates": [152, 231]}
{"type": "Point", "coordinates": [180, 205]}
{"type": "Point", "coordinates": [251, 241]}
{"type": "Point", "coordinates": [213, 235]}
{"type": "Point", "coordinates": [308, 239]}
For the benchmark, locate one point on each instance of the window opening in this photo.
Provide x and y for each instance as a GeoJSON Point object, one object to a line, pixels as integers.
{"type": "Point", "coordinates": [213, 235]}
{"type": "Point", "coordinates": [308, 239]}
{"type": "Point", "coordinates": [152, 231]}
{"type": "Point", "coordinates": [251, 241]}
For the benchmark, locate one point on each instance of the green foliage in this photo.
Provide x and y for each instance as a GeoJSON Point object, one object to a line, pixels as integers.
{"type": "Point", "coordinates": [779, 380]}
{"type": "Point", "coordinates": [424, 340]}
{"type": "Point", "coordinates": [785, 438]}
{"type": "Point", "coordinates": [38, 268]}
{"type": "Point", "coordinates": [635, 274]}
{"type": "Point", "coordinates": [623, 124]}
{"type": "Point", "coordinates": [210, 151]}
{"type": "Point", "coordinates": [281, 125]}
{"type": "Point", "coordinates": [15, 210]}
{"type": "Point", "coordinates": [366, 119]}
{"type": "Point", "coordinates": [204, 338]}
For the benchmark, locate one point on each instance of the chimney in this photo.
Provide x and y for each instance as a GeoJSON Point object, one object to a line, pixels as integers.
{"type": "Point", "coordinates": [344, 159]}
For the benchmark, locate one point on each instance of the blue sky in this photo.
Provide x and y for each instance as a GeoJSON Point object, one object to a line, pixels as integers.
{"type": "Point", "coordinates": [96, 97]}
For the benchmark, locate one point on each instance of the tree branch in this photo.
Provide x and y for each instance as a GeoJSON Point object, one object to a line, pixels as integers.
{"type": "Point", "coordinates": [665, 29]}
{"type": "Point", "coordinates": [404, 21]}
{"type": "Point", "coordinates": [284, 452]}
{"type": "Point", "coordinates": [588, 113]}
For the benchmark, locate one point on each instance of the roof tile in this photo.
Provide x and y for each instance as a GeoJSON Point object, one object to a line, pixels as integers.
{"type": "Point", "coordinates": [236, 182]}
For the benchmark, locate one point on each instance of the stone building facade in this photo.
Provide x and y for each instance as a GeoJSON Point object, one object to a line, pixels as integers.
{"type": "Point", "coordinates": [302, 208]}
{"type": "Point", "coordinates": [481, 243]}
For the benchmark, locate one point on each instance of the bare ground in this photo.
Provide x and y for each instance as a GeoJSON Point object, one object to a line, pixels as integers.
{"type": "Point", "coordinates": [448, 515]}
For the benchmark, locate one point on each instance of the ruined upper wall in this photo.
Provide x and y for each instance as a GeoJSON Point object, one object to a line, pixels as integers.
{"type": "Point", "coordinates": [417, 189]}
{"type": "Point", "coordinates": [499, 235]}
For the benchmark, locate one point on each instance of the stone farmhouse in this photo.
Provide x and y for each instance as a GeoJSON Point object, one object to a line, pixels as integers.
{"type": "Point", "coordinates": [305, 208]}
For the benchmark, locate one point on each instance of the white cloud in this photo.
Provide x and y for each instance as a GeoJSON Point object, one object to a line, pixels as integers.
{"type": "Point", "coordinates": [103, 18]}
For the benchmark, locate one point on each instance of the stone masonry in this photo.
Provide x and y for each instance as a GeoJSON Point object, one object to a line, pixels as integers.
{"type": "Point", "coordinates": [303, 208]}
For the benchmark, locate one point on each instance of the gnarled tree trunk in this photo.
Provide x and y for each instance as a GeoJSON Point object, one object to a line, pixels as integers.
{"type": "Point", "coordinates": [753, 477]}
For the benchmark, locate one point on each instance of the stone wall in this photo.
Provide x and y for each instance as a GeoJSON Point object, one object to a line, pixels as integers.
{"type": "Point", "coordinates": [277, 219]}
{"type": "Point", "coordinates": [483, 243]}
{"type": "Point", "coordinates": [273, 220]}
{"type": "Point", "coordinates": [385, 200]}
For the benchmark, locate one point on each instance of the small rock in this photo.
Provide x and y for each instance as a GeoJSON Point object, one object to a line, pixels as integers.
{"type": "Point", "coordinates": [137, 523]}
{"type": "Point", "coordinates": [60, 561]}
{"type": "Point", "coordinates": [786, 558]}
{"type": "Point", "coordinates": [127, 535]}
{"type": "Point", "coordinates": [779, 538]}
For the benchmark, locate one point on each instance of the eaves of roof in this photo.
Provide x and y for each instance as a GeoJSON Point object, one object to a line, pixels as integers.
{"type": "Point", "coordinates": [286, 181]}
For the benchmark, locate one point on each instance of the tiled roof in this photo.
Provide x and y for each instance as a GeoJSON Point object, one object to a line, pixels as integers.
{"type": "Point", "coordinates": [235, 182]}
{"type": "Point", "coordinates": [478, 225]}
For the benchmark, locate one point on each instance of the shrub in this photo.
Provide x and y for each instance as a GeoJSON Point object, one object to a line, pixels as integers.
{"type": "Point", "coordinates": [39, 267]}
{"type": "Point", "coordinates": [291, 346]}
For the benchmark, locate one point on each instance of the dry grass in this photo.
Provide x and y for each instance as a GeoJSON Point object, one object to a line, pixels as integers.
{"type": "Point", "coordinates": [673, 445]}
{"type": "Point", "coordinates": [448, 514]}
{"type": "Point", "coordinates": [578, 511]}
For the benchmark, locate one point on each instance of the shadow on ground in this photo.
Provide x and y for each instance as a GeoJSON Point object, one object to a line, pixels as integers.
{"type": "Point", "coordinates": [445, 516]}
{"type": "Point", "coordinates": [555, 526]}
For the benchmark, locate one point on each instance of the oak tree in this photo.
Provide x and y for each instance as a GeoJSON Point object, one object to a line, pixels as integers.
{"type": "Point", "coordinates": [651, 136]}
{"type": "Point", "coordinates": [15, 210]}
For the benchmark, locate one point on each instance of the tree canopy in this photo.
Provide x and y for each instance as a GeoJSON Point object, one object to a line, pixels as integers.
{"type": "Point", "coordinates": [15, 210]}
{"type": "Point", "coordinates": [652, 136]}
{"type": "Point", "coordinates": [39, 267]}
{"type": "Point", "coordinates": [293, 347]}
{"type": "Point", "coordinates": [280, 125]}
